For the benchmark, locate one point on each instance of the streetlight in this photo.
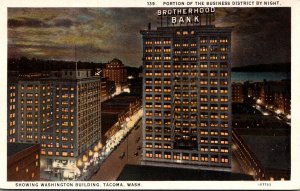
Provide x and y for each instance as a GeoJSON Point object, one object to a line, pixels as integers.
{"type": "Point", "coordinates": [79, 166]}
{"type": "Point", "coordinates": [90, 153]}
{"type": "Point", "coordinates": [258, 101]}
{"type": "Point", "coordinates": [79, 163]}
{"type": "Point", "coordinates": [96, 149]}
{"type": "Point", "coordinates": [84, 158]}
{"type": "Point", "coordinates": [234, 147]}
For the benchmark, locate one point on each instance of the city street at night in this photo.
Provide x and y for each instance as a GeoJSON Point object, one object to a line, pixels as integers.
{"type": "Point", "coordinates": [269, 110]}
{"type": "Point", "coordinates": [189, 93]}
{"type": "Point", "coordinates": [114, 163]}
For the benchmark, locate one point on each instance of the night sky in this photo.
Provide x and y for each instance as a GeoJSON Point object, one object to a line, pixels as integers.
{"type": "Point", "coordinates": [260, 36]}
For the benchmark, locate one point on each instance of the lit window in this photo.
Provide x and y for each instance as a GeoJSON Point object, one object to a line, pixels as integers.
{"type": "Point", "coordinates": [185, 157]}
{"type": "Point", "coordinates": [176, 156]}
{"type": "Point", "coordinates": [149, 154]}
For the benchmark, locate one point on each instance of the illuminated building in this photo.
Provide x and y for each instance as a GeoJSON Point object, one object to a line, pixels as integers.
{"type": "Point", "coordinates": [187, 97]}
{"type": "Point", "coordinates": [12, 107]}
{"type": "Point", "coordinates": [277, 94]}
{"type": "Point", "coordinates": [282, 101]}
{"type": "Point", "coordinates": [115, 71]}
{"type": "Point", "coordinates": [62, 112]}
{"type": "Point", "coordinates": [237, 92]}
{"type": "Point", "coordinates": [23, 162]}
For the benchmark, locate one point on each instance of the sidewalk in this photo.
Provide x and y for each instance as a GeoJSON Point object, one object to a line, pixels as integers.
{"type": "Point", "coordinates": [112, 143]}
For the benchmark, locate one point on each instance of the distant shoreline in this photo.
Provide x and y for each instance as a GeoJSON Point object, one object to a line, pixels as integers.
{"type": "Point", "coordinates": [244, 76]}
{"type": "Point", "coordinates": [276, 67]}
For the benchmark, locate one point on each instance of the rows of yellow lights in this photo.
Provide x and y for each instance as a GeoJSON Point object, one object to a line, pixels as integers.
{"type": "Point", "coordinates": [100, 152]}
{"type": "Point", "coordinates": [92, 156]}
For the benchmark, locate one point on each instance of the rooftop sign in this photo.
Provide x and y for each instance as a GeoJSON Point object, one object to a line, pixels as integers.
{"type": "Point", "coordinates": [198, 16]}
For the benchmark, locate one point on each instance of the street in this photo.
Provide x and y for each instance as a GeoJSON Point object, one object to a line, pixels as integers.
{"type": "Point", "coordinates": [122, 155]}
{"type": "Point", "coordinates": [269, 110]}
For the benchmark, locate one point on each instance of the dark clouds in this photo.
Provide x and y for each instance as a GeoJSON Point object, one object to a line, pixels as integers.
{"type": "Point", "coordinates": [37, 23]}
{"type": "Point", "coordinates": [63, 23]}
{"type": "Point", "coordinates": [260, 36]}
{"type": "Point", "coordinates": [25, 22]}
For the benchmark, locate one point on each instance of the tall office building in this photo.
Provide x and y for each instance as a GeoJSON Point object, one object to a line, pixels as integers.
{"type": "Point", "coordinates": [12, 105]}
{"type": "Point", "coordinates": [187, 97]}
{"type": "Point", "coordinates": [62, 112]}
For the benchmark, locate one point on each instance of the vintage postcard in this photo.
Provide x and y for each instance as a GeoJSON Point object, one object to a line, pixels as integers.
{"type": "Point", "coordinates": [150, 95]}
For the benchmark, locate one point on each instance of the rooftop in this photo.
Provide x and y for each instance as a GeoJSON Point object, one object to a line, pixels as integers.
{"type": "Point", "coordinates": [154, 173]}
{"type": "Point", "coordinates": [273, 152]}
{"type": "Point", "coordinates": [107, 121]}
{"type": "Point", "coordinates": [165, 30]}
{"type": "Point", "coordinates": [119, 101]}
{"type": "Point", "coordinates": [14, 148]}
{"type": "Point", "coordinates": [270, 146]}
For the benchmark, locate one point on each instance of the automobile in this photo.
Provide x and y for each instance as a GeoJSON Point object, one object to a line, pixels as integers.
{"type": "Point", "coordinates": [96, 171]}
{"type": "Point", "coordinates": [136, 154]}
{"type": "Point", "coordinates": [122, 155]}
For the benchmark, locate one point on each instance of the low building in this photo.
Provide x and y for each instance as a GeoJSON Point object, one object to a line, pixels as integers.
{"type": "Point", "coordinates": [282, 101]}
{"type": "Point", "coordinates": [276, 94]}
{"type": "Point", "coordinates": [112, 123]}
{"type": "Point", "coordinates": [23, 162]}
{"type": "Point", "coordinates": [158, 173]}
{"type": "Point", "coordinates": [122, 102]}
{"type": "Point", "coordinates": [116, 112]}
{"type": "Point", "coordinates": [135, 86]}
{"type": "Point", "coordinates": [263, 153]}
{"type": "Point", "coordinates": [261, 143]}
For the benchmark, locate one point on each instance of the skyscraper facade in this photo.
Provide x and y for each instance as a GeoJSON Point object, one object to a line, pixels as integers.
{"type": "Point", "coordinates": [187, 97]}
{"type": "Point", "coordinates": [62, 112]}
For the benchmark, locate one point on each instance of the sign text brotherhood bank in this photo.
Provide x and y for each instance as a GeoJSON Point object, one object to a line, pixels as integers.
{"type": "Point", "coordinates": [186, 15]}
